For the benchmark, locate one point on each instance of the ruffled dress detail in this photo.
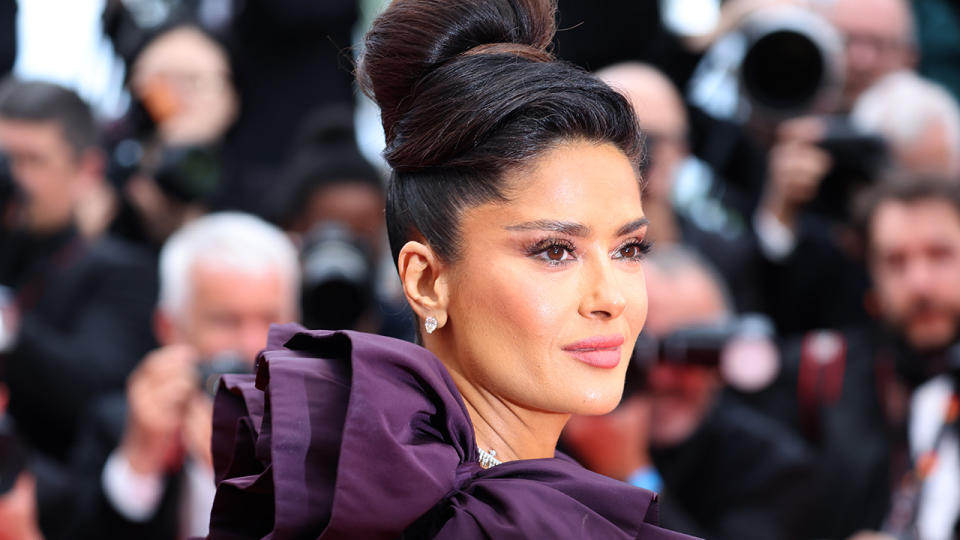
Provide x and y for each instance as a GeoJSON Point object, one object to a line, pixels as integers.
{"type": "Point", "coordinates": [352, 435]}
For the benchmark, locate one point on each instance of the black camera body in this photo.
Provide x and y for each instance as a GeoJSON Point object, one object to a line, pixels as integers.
{"type": "Point", "coordinates": [858, 160]}
{"type": "Point", "coordinates": [210, 370]}
{"type": "Point", "coordinates": [692, 345]}
{"type": "Point", "coordinates": [338, 278]}
{"type": "Point", "coordinates": [741, 348]}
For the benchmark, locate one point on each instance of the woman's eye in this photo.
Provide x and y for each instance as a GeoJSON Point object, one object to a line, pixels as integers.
{"type": "Point", "coordinates": [629, 252]}
{"type": "Point", "coordinates": [553, 253]}
{"type": "Point", "coordinates": [556, 253]}
{"type": "Point", "coordinates": [633, 251]}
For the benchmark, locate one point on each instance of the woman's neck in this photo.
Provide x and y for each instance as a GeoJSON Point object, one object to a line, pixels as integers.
{"type": "Point", "coordinates": [510, 430]}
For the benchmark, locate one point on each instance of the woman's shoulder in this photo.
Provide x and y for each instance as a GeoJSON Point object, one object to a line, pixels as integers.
{"type": "Point", "coordinates": [344, 434]}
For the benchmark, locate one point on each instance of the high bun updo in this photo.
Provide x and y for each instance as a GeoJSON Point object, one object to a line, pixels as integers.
{"type": "Point", "coordinates": [467, 91]}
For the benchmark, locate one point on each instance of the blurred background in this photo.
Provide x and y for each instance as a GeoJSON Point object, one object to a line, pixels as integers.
{"type": "Point", "coordinates": [176, 175]}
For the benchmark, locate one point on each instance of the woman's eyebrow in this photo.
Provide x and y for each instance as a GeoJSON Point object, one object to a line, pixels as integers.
{"type": "Point", "coordinates": [563, 227]}
{"type": "Point", "coordinates": [633, 226]}
{"type": "Point", "coordinates": [572, 228]}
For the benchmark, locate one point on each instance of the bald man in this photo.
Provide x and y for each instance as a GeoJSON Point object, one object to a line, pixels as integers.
{"type": "Point", "coordinates": [880, 40]}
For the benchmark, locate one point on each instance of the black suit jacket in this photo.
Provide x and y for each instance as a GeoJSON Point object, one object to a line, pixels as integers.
{"type": "Point", "coordinates": [86, 313]}
{"type": "Point", "coordinates": [72, 504]}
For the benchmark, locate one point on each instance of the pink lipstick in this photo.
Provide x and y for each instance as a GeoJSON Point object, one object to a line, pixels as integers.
{"type": "Point", "coordinates": [597, 351]}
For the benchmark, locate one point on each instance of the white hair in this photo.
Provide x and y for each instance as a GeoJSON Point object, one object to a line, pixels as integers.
{"type": "Point", "coordinates": [227, 240]}
{"type": "Point", "coordinates": [902, 105]}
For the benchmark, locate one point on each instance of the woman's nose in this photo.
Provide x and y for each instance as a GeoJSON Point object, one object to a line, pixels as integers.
{"type": "Point", "coordinates": [603, 297]}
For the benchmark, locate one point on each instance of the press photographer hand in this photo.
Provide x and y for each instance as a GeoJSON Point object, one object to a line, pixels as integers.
{"type": "Point", "coordinates": [796, 168]}
{"type": "Point", "coordinates": [18, 511]}
{"type": "Point", "coordinates": [159, 396]}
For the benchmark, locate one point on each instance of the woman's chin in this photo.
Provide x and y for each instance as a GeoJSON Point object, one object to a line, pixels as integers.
{"type": "Point", "coordinates": [600, 402]}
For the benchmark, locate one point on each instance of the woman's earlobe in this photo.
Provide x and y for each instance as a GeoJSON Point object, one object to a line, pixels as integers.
{"type": "Point", "coordinates": [422, 276]}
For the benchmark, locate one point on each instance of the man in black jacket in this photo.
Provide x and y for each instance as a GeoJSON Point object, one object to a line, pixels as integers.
{"type": "Point", "coordinates": [872, 400]}
{"type": "Point", "coordinates": [82, 305]}
{"type": "Point", "coordinates": [77, 314]}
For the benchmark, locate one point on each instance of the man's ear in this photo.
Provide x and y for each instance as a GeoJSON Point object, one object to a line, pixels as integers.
{"type": "Point", "coordinates": [93, 167]}
{"type": "Point", "coordinates": [424, 279]}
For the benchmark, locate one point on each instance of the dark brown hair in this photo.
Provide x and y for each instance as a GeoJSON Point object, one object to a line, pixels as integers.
{"type": "Point", "coordinates": [467, 92]}
{"type": "Point", "coordinates": [39, 101]}
{"type": "Point", "coordinates": [904, 190]}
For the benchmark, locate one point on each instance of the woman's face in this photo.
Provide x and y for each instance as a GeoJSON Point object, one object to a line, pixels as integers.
{"type": "Point", "coordinates": [548, 295]}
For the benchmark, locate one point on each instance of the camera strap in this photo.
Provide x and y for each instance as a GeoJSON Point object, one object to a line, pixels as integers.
{"type": "Point", "coordinates": [820, 378]}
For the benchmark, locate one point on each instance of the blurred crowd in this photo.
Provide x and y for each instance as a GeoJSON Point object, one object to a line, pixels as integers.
{"type": "Point", "coordinates": [797, 376]}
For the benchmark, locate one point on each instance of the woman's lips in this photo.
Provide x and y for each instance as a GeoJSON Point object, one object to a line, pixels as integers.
{"type": "Point", "coordinates": [597, 351]}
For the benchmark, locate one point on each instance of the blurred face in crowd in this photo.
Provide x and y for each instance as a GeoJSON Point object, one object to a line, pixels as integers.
{"type": "Point", "coordinates": [662, 117]}
{"type": "Point", "coordinates": [356, 205]}
{"type": "Point", "coordinates": [915, 263]}
{"type": "Point", "coordinates": [231, 311]}
{"type": "Point", "coordinates": [547, 296]}
{"type": "Point", "coordinates": [183, 79]}
{"type": "Point", "coordinates": [878, 36]}
{"type": "Point", "coordinates": [681, 394]}
{"type": "Point", "coordinates": [47, 170]}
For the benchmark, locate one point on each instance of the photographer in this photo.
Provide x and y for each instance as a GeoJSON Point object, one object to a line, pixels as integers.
{"type": "Point", "coordinates": [919, 123]}
{"type": "Point", "coordinates": [224, 279]}
{"type": "Point", "coordinates": [332, 201]}
{"type": "Point", "coordinates": [783, 83]}
{"type": "Point", "coordinates": [77, 309]}
{"type": "Point", "coordinates": [167, 151]}
{"type": "Point", "coordinates": [872, 400]}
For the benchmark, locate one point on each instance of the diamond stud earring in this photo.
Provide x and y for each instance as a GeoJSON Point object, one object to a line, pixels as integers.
{"type": "Point", "coordinates": [430, 324]}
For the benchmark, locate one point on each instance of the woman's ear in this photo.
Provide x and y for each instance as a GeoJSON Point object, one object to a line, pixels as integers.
{"type": "Point", "coordinates": [424, 279]}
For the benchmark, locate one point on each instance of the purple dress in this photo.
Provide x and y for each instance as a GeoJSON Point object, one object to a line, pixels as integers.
{"type": "Point", "coordinates": [351, 435]}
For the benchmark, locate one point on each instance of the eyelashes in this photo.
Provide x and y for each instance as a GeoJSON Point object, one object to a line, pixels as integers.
{"type": "Point", "coordinates": [558, 251]}
{"type": "Point", "coordinates": [635, 249]}
{"type": "Point", "coordinates": [553, 251]}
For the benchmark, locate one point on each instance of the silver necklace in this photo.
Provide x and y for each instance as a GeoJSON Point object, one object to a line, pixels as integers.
{"type": "Point", "coordinates": [488, 459]}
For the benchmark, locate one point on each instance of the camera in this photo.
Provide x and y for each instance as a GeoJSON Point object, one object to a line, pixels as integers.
{"type": "Point", "coordinates": [794, 66]}
{"type": "Point", "coordinates": [858, 160]}
{"type": "Point", "coordinates": [740, 348]}
{"type": "Point", "coordinates": [338, 278]}
{"type": "Point", "coordinates": [692, 345]}
{"type": "Point", "coordinates": [210, 370]}
{"type": "Point", "coordinates": [188, 173]}
{"type": "Point", "coordinates": [793, 63]}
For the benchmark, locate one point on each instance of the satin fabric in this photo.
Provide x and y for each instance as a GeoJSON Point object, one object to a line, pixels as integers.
{"type": "Point", "coordinates": [351, 435]}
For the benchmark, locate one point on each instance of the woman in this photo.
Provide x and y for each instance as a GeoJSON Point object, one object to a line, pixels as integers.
{"type": "Point", "coordinates": [515, 220]}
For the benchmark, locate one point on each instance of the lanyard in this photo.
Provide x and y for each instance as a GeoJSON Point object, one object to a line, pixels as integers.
{"type": "Point", "coordinates": [907, 497]}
